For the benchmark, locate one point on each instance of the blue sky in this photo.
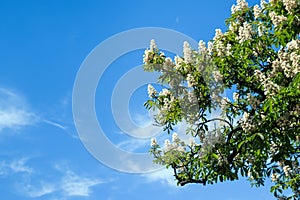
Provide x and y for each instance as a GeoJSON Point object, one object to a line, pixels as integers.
{"type": "Point", "coordinates": [42, 46]}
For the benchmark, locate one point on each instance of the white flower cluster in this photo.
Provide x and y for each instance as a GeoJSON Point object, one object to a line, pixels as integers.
{"type": "Point", "coordinates": [192, 98]}
{"type": "Point", "coordinates": [241, 5]}
{"type": "Point", "coordinates": [232, 26]}
{"type": "Point", "coordinates": [224, 103]}
{"type": "Point", "coordinates": [191, 80]}
{"type": "Point", "coordinates": [263, 4]}
{"type": "Point", "coordinates": [274, 177]}
{"type": "Point", "coordinates": [218, 34]}
{"type": "Point", "coordinates": [246, 122]}
{"type": "Point", "coordinates": [148, 54]}
{"type": "Point", "coordinates": [217, 76]}
{"type": "Point", "coordinates": [296, 111]}
{"type": "Point", "coordinates": [245, 32]}
{"type": "Point", "coordinates": [187, 53]}
{"type": "Point", "coordinates": [273, 148]}
{"type": "Point", "coordinates": [153, 46]}
{"type": "Point", "coordinates": [270, 88]}
{"type": "Point", "coordinates": [151, 91]}
{"type": "Point", "coordinates": [202, 47]}
{"type": "Point", "coordinates": [178, 63]}
{"type": "Point", "coordinates": [290, 5]}
{"type": "Point", "coordinates": [293, 45]}
{"type": "Point", "coordinates": [168, 64]}
{"type": "Point", "coordinates": [277, 19]}
{"type": "Point", "coordinates": [235, 96]}
{"type": "Point", "coordinates": [287, 170]}
{"type": "Point", "coordinates": [272, 1]}
{"type": "Point", "coordinates": [257, 11]}
{"type": "Point", "coordinates": [261, 29]}
{"type": "Point", "coordinates": [210, 139]}
{"type": "Point", "coordinates": [153, 142]}
{"type": "Point", "coordinates": [165, 92]}
{"type": "Point", "coordinates": [218, 45]}
{"type": "Point", "coordinates": [253, 101]}
{"type": "Point", "coordinates": [168, 99]}
{"type": "Point", "coordinates": [177, 145]}
{"type": "Point", "coordinates": [288, 61]}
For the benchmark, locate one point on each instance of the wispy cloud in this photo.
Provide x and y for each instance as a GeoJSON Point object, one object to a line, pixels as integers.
{"type": "Point", "coordinates": [56, 124]}
{"type": "Point", "coordinates": [39, 191]}
{"type": "Point", "coordinates": [74, 185]}
{"type": "Point", "coordinates": [64, 187]}
{"type": "Point", "coordinates": [15, 166]}
{"type": "Point", "coordinates": [164, 176]}
{"type": "Point", "coordinates": [14, 112]}
{"type": "Point", "coordinates": [20, 166]}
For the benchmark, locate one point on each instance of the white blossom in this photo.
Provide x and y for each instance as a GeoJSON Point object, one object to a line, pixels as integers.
{"type": "Point", "coordinates": [202, 47]}
{"type": "Point", "coordinates": [295, 66]}
{"type": "Point", "coordinates": [263, 4]}
{"type": "Point", "coordinates": [274, 177]}
{"type": "Point", "coordinates": [290, 5]}
{"type": "Point", "coordinates": [245, 32]}
{"type": "Point", "coordinates": [217, 76]}
{"type": "Point", "coordinates": [212, 138]}
{"type": "Point", "coordinates": [228, 50]}
{"type": "Point", "coordinates": [192, 97]}
{"type": "Point", "coordinates": [178, 62]}
{"type": "Point", "coordinates": [153, 142]}
{"type": "Point", "coordinates": [220, 47]}
{"type": "Point", "coordinates": [191, 80]}
{"type": "Point", "coordinates": [151, 91]}
{"type": "Point", "coordinates": [270, 88]}
{"type": "Point", "coordinates": [272, 1]}
{"type": "Point", "coordinates": [165, 92]}
{"type": "Point", "coordinates": [187, 53]}
{"type": "Point", "coordinates": [241, 5]}
{"type": "Point", "coordinates": [192, 143]}
{"type": "Point", "coordinates": [224, 103]}
{"type": "Point", "coordinates": [253, 101]}
{"type": "Point", "coordinates": [210, 47]}
{"type": "Point", "coordinates": [257, 11]}
{"type": "Point", "coordinates": [235, 96]}
{"type": "Point", "coordinates": [180, 149]}
{"type": "Point", "coordinates": [168, 64]}
{"type": "Point", "coordinates": [232, 26]}
{"type": "Point", "coordinates": [153, 46]}
{"type": "Point", "coordinates": [293, 45]}
{"type": "Point", "coordinates": [175, 138]}
{"type": "Point", "coordinates": [218, 34]}
{"type": "Point", "coordinates": [167, 145]}
{"type": "Point", "coordinates": [260, 29]}
{"type": "Point", "coordinates": [246, 122]}
{"type": "Point", "coordinates": [234, 9]}
{"type": "Point", "coordinates": [277, 19]}
{"type": "Point", "coordinates": [288, 62]}
{"type": "Point", "coordinates": [148, 55]}
{"type": "Point", "coordinates": [287, 170]}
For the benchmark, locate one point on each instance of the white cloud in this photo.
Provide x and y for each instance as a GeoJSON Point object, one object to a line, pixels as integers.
{"type": "Point", "coordinates": [20, 166]}
{"type": "Point", "coordinates": [70, 184]}
{"type": "Point", "coordinates": [43, 189]}
{"type": "Point", "coordinates": [74, 185]}
{"type": "Point", "coordinates": [14, 113]}
{"type": "Point", "coordinates": [15, 166]}
{"type": "Point", "coordinates": [164, 176]}
{"type": "Point", "coordinates": [132, 144]}
{"type": "Point", "coordinates": [58, 125]}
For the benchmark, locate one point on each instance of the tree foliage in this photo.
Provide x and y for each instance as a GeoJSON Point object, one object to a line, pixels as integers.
{"type": "Point", "coordinates": [257, 134]}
